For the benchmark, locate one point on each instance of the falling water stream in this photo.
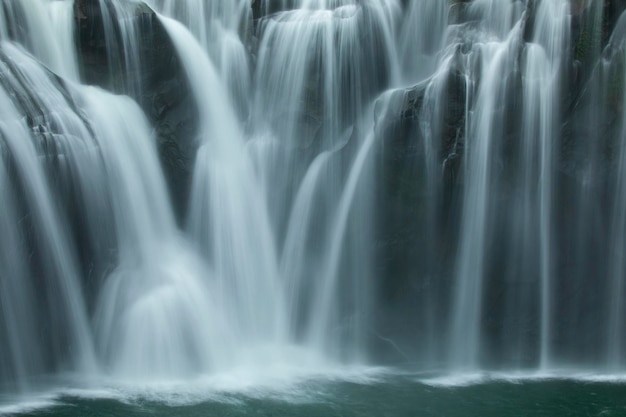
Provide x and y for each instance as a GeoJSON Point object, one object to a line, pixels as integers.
{"type": "Point", "coordinates": [503, 247]}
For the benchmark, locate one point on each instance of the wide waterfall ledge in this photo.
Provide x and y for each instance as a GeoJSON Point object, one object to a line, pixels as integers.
{"type": "Point", "coordinates": [295, 203]}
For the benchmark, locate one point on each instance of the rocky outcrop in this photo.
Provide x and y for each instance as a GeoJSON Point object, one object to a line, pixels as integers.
{"type": "Point", "coordinates": [156, 79]}
{"type": "Point", "coordinates": [263, 8]}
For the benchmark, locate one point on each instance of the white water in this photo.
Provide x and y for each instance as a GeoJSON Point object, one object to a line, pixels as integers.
{"type": "Point", "coordinates": [64, 312]}
{"type": "Point", "coordinates": [422, 37]}
{"type": "Point", "coordinates": [152, 304]}
{"type": "Point", "coordinates": [228, 220]}
{"type": "Point", "coordinates": [275, 271]}
{"type": "Point", "coordinates": [541, 114]}
{"type": "Point", "coordinates": [222, 28]}
{"type": "Point", "coordinates": [28, 23]}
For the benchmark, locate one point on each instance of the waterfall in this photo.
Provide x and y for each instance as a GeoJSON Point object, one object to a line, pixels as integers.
{"type": "Point", "coordinates": [40, 276]}
{"type": "Point", "coordinates": [222, 28]}
{"type": "Point", "coordinates": [228, 219]}
{"type": "Point", "coordinates": [466, 331]}
{"type": "Point", "coordinates": [316, 75]}
{"type": "Point", "coordinates": [422, 37]}
{"type": "Point", "coordinates": [498, 80]}
{"type": "Point", "coordinates": [616, 335]}
{"type": "Point", "coordinates": [541, 94]}
{"type": "Point", "coordinates": [190, 188]}
{"type": "Point", "coordinates": [153, 315]}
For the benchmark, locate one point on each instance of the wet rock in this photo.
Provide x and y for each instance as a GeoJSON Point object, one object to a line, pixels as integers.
{"type": "Point", "coordinates": [614, 8]}
{"type": "Point", "coordinates": [263, 8]}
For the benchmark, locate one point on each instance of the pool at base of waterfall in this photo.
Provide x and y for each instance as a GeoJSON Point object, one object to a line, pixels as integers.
{"type": "Point", "coordinates": [376, 393]}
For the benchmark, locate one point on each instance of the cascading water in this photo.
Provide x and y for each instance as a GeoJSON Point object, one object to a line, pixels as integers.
{"type": "Point", "coordinates": [40, 279]}
{"type": "Point", "coordinates": [313, 84]}
{"type": "Point", "coordinates": [531, 196]}
{"type": "Point", "coordinates": [228, 219]}
{"type": "Point", "coordinates": [612, 71]}
{"type": "Point", "coordinates": [371, 180]}
{"type": "Point", "coordinates": [422, 37]}
{"type": "Point", "coordinates": [221, 27]}
{"type": "Point", "coordinates": [27, 23]}
{"type": "Point", "coordinates": [154, 313]}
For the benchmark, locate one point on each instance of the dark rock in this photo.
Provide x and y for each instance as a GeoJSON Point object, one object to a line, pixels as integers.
{"type": "Point", "coordinates": [263, 8]}
{"type": "Point", "coordinates": [613, 10]}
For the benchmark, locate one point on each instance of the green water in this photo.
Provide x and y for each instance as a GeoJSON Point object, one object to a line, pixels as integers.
{"type": "Point", "coordinates": [389, 397]}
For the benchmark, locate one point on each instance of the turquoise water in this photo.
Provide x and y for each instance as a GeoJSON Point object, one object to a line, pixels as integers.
{"type": "Point", "coordinates": [388, 396]}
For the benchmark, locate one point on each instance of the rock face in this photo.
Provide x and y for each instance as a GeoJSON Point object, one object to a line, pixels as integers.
{"type": "Point", "coordinates": [155, 79]}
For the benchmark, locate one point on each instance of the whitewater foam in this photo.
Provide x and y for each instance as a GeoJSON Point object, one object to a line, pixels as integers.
{"type": "Point", "coordinates": [286, 383]}
{"type": "Point", "coordinates": [458, 380]}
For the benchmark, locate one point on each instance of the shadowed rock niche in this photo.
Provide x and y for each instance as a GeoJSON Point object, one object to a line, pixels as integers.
{"type": "Point", "coordinates": [154, 78]}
